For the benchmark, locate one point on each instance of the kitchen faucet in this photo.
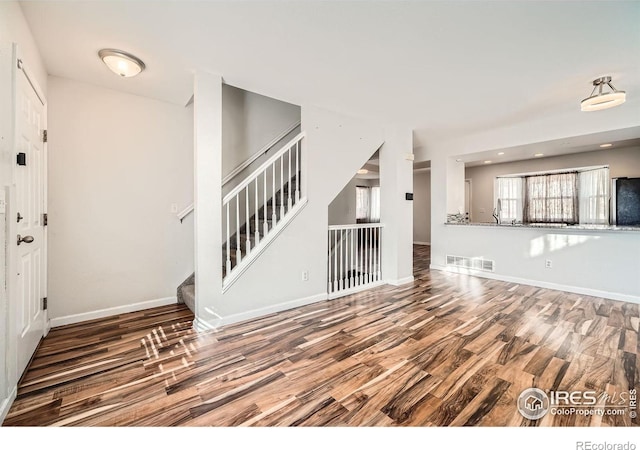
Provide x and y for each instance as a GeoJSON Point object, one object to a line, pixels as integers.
{"type": "Point", "coordinates": [497, 211]}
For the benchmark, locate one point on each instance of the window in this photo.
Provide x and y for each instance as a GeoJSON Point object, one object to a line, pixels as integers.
{"type": "Point", "coordinates": [510, 195]}
{"type": "Point", "coordinates": [367, 204]}
{"type": "Point", "coordinates": [577, 196]}
{"type": "Point", "coordinates": [594, 196]}
{"type": "Point", "coordinates": [551, 198]}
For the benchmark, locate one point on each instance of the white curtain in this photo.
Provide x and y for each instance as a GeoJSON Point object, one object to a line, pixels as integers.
{"type": "Point", "coordinates": [594, 196]}
{"type": "Point", "coordinates": [551, 198]}
{"type": "Point", "coordinates": [367, 204]}
{"type": "Point", "coordinates": [509, 191]}
{"type": "Point", "coordinates": [374, 215]}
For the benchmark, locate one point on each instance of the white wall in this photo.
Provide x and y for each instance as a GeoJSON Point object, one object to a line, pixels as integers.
{"type": "Point", "coordinates": [422, 207]}
{"type": "Point", "coordinates": [207, 120]}
{"type": "Point", "coordinates": [13, 29]}
{"type": "Point", "coordinates": [623, 162]}
{"type": "Point", "coordinates": [250, 121]}
{"type": "Point", "coordinates": [603, 264]}
{"type": "Point", "coordinates": [396, 213]}
{"type": "Point", "coordinates": [116, 164]}
{"type": "Point", "coordinates": [303, 244]}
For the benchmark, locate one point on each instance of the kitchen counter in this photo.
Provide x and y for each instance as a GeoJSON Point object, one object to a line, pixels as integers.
{"type": "Point", "coordinates": [551, 226]}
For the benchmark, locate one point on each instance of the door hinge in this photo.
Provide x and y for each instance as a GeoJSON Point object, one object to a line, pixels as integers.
{"type": "Point", "coordinates": [44, 304]}
{"type": "Point", "coordinates": [45, 219]}
{"type": "Point", "coordinates": [44, 136]}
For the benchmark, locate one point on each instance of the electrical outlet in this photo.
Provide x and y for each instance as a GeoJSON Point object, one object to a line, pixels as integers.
{"type": "Point", "coordinates": [174, 208]}
{"type": "Point", "coordinates": [548, 264]}
{"type": "Point", "coordinates": [305, 275]}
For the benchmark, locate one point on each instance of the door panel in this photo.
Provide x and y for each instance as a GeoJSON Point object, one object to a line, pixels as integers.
{"type": "Point", "coordinates": [30, 204]}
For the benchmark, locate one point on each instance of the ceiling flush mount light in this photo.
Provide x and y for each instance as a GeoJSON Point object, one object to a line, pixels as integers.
{"type": "Point", "coordinates": [538, 155]}
{"type": "Point", "coordinates": [487, 162]}
{"type": "Point", "coordinates": [363, 171]}
{"type": "Point", "coordinates": [601, 99]}
{"type": "Point", "coordinates": [121, 63]}
{"type": "Point", "coordinates": [605, 145]}
{"type": "Point", "coordinates": [500, 153]}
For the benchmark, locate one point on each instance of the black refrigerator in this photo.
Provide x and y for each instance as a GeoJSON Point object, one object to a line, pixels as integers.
{"type": "Point", "coordinates": [625, 201]}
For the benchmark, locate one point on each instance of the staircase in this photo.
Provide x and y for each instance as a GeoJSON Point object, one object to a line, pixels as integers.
{"type": "Point", "coordinates": [266, 218]}
{"type": "Point", "coordinates": [255, 212]}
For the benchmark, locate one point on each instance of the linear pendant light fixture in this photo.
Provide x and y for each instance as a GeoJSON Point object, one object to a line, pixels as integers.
{"type": "Point", "coordinates": [121, 63]}
{"type": "Point", "coordinates": [601, 99]}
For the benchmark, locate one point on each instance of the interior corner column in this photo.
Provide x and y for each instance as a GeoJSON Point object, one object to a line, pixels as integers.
{"type": "Point", "coordinates": [455, 186]}
{"type": "Point", "coordinates": [207, 196]}
{"type": "Point", "coordinates": [396, 180]}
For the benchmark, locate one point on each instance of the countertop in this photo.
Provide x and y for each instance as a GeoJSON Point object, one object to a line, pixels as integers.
{"type": "Point", "coordinates": [553, 226]}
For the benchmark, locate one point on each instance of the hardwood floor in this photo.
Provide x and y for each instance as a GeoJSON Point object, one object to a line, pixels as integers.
{"type": "Point", "coordinates": [446, 350]}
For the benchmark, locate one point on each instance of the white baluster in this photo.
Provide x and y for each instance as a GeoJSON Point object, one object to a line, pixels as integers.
{"type": "Point", "coordinates": [380, 254]}
{"type": "Point", "coordinates": [329, 288]}
{"type": "Point", "coordinates": [358, 257]}
{"type": "Point", "coordinates": [341, 273]}
{"type": "Point", "coordinates": [281, 187]}
{"type": "Point", "coordinates": [351, 280]}
{"type": "Point", "coordinates": [247, 224]}
{"type": "Point", "coordinates": [228, 244]}
{"type": "Point", "coordinates": [257, 215]}
{"type": "Point", "coordinates": [335, 260]}
{"type": "Point", "coordinates": [375, 253]}
{"type": "Point", "coordinates": [372, 259]}
{"type": "Point", "coordinates": [365, 250]}
{"type": "Point", "coordinates": [289, 201]}
{"type": "Point", "coordinates": [297, 171]}
{"type": "Point", "coordinates": [274, 219]}
{"type": "Point", "coordinates": [238, 248]}
{"type": "Point", "coordinates": [264, 206]}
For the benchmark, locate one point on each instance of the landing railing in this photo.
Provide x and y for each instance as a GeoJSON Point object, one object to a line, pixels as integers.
{"type": "Point", "coordinates": [355, 258]}
{"type": "Point", "coordinates": [260, 205]}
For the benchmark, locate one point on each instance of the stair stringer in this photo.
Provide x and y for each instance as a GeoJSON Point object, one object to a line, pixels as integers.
{"type": "Point", "coordinates": [336, 146]}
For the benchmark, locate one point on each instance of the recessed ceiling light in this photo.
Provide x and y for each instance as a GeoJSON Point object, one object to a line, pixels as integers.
{"type": "Point", "coordinates": [500, 153]}
{"type": "Point", "coordinates": [362, 171]}
{"type": "Point", "coordinates": [121, 63]}
{"type": "Point", "coordinates": [603, 100]}
{"type": "Point", "coordinates": [538, 155]}
{"type": "Point", "coordinates": [605, 145]}
{"type": "Point", "coordinates": [487, 161]}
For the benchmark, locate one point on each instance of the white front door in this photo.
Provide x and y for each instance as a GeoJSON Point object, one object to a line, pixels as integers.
{"type": "Point", "coordinates": [30, 240]}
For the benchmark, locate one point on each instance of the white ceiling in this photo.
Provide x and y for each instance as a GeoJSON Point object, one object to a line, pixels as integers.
{"type": "Point", "coordinates": [440, 68]}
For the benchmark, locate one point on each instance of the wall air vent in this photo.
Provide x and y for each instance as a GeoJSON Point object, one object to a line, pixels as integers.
{"type": "Point", "coordinates": [465, 262]}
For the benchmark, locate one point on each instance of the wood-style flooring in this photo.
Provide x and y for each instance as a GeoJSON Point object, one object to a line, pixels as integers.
{"type": "Point", "coordinates": [446, 350]}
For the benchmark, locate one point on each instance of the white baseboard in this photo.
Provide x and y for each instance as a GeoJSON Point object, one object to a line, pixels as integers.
{"type": "Point", "coordinates": [401, 281]}
{"type": "Point", "coordinates": [355, 290]}
{"type": "Point", "coordinates": [6, 404]}
{"type": "Point", "coordinates": [100, 313]}
{"type": "Point", "coordinates": [421, 243]}
{"type": "Point", "coordinates": [541, 284]}
{"type": "Point", "coordinates": [252, 314]}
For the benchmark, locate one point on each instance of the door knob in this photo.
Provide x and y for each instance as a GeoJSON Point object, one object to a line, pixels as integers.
{"type": "Point", "coordinates": [26, 239]}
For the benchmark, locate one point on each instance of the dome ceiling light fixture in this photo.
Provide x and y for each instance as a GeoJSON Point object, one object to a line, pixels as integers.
{"type": "Point", "coordinates": [601, 99]}
{"type": "Point", "coordinates": [362, 171]}
{"type": "Point", "coordinates": [121, 63]}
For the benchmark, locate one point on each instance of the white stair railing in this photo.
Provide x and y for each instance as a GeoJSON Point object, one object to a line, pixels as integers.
{"type": "Point", "coordinates": [355, 258]}
{"type": "Point", "coordinates": [260, 205]}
